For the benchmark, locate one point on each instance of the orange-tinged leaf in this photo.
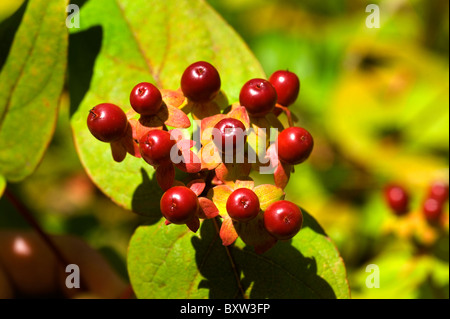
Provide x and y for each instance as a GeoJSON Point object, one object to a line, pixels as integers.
{"type": "Point", "coordinates": [174, 98]}
{"type": "Point", "coordinates": [175, 117]}
{"type": "Point", "coordinates": [210, 156]}
{"type": "Point", "coordinates": [219, 195]}
{"type": "Point", "coordinates": [207, 208]}
{"type": "Point", "coordinates": [249, 183]}
{"type": "Point", "coordinates": [227, 232]}
{"type": "Point", "coordinates": [207, 125]}
{"type": "Point", "coordinates": [197, 186]}
{"type": "Point", "coordinates": [268, 194]}
{"type": "Point", "coordinates": [240, 113]}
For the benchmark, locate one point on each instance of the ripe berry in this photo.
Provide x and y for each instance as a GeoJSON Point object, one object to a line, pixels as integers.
{"type": "Point", "coordinates": [107, 122]}
{"type": "Point", "coordinates": [243, 205]}
{"type": "Point", "coordinates": [432, 209]}
{"type": "Point", "coordinates": [230, 131]}
{"type": "Point", "coordinates": [283, 219]}
{"type": "Point", "coordinates": [200, 82]}
{"type": "Point", "coordinates": [155, 147]}
{"type": "Point", "coordinates": [439, 191]}
{"type": "Point", "coordinates": [258, 96]}
{"type": "Point", "coordinates": [295, 144]}
{"type": "Point", "coordinates": [287, 86]}
{"type": "Point", "coordinates": [397, 198]}
{"type": "Point", "coordinates": [145, 99]}
{"type": "Point", "coordinates": [179, 204]}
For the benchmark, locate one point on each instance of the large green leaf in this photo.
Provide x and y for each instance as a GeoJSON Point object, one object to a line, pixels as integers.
{"type": "Point", "coordinates": [151, 41]}
{"type": "Point", "coordinates": [172, 262]}
{"type": "Point", "coordinates": [31, 82]}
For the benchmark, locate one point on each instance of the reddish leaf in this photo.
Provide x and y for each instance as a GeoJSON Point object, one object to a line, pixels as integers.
{"type": "Point", "coordinates": [193, 224]}
{"type": "Point", "coordinates": [282, 174]}
{"type": "Point", "coordinates": [207, 208]}
{"type": "Point", "coordinates": [227, 232]}
{"type": "Point", "coordinates": [174, 117]}
{"type": "Point", "coordinates": [130, 141]}
{"type": "Point", "coordinates": [197, 186]}
{"type": "Point", "coordinates": [165, 176]}
{"type": "Point", "coordinates": [118, 151]}
{"type": "Point", "coordinates": [174, 98]}
{"type": "Point", "coordinates": [216, 181]}
{"type": "Point", "coordinates": [190, 162]}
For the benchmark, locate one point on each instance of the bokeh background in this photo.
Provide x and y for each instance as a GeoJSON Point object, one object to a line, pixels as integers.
{"type": "Point", "coordinates": [376, 102]}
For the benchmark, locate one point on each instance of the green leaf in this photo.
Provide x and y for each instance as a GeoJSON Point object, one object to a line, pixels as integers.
{"type": "Point", "coordinates": [31, 82]}
{"type": "Point", "coordinates": [2, 185]}
{"type": "Point", "coordinates": [172, 262]}
{"type": "Point", "coordinates": [151, 41]}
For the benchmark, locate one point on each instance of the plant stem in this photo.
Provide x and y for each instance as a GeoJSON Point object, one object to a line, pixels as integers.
{"type": "Point", "coordinates": [233, 265]}
{"type": "Point", "coordinates": [28, 216]}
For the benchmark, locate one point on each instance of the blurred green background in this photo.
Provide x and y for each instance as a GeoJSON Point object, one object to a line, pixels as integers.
{"type": "Point", "coordinates": [376, 102]}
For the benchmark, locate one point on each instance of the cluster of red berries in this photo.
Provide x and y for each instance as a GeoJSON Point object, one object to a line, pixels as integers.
{"type": "Point", "coordinates": [398, 199]}
{"type": "Point", "coordinates": [155, 143]}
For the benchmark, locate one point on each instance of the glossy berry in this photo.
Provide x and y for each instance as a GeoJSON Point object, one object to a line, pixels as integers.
{"type": "Point", "coordinates": [432, 209]}
{"type": "Point", "coordinates": [179, 204]}
{"type": "Point", "coordinates": [283, 219]}
{"type": "Point", "coordinates": [155, 147]}
{"type": "Point", "coordinates": [295, 144]}
{"type": "Point", "coordinates": [439, 191]}
{"type": "Point", "coordinates": [231, 133]}
{"type": "Point", "coordinates": [258, 96]}
{"type": "Point", "coordinates": [200, 82]}
{"type": "Point", "coordinates": [397, 198]}
{"type": "Point", "coordinates": [145, 99]}
{"type": "Point", "coordinates": [287, 86]}
{"type": "Point", "coordinates": [107, 122]}
{"type": "Point", "coordinates": [243, 205]}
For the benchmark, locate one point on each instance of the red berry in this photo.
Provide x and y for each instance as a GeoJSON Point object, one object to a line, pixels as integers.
{"type": "Point", "coordinates": [439, 191]}
{"type": "Point", "coordinates": [230, 131]}
{"type": "Point", "coordinates": [432, 209]}
{"type": "Point", "coordinates": [258, 96]}
{"type": "Point", "coordinates": [155, 147]}
{"type": "Point", "coordinates": [179, 204]}
{"type": "Point", "coordinates": [283, 219]}
{"type": "Point", "coordinates": [107, 122]}
{"type": "Point", "coordinates": [200, 82]}
{"type": "Point", "coordinates": [243, 205]}
{"type": "Point", "coordinates": [287, 86]}
{"type": "Point", "coordinates": [397, 198]}
{"type": "Point", "coordinates": [145, 99]}
{"type": "Point", "coordinates": [295, 144]}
